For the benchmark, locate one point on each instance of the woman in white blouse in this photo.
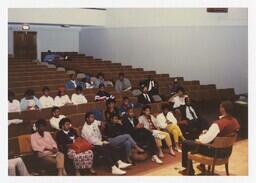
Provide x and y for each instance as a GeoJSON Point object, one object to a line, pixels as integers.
{"type": "Point", "coordinates": [13, 106]}
{"type": "Point", "coordinates": [62, 98]}
{"type": "Point", "coordinates": [78, 97]}
{"type": "Point", "coordinates": [46, 100]}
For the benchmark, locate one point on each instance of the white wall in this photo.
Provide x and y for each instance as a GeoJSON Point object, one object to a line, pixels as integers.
{"type": "Point", "coordinates": [214, 52]}
{"type": "Point", "coordinates": [53, 38]}
{"type": "Point", "coordinates": [70, 16]}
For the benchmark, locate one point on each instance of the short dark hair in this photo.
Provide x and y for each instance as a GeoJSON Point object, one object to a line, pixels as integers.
{"type": "Point", "coordinates": [55, 109]}
{"type": "Point", "coordinates": [165, 106]}
{"type": "Point", "coordinates": [146, 107]}
{"type": "Point", "coordinates": [180, 89]}
{"type": "Point", "coordinates": [29, 92]}
{"type": "Point", "coordinates": [63, 121]}
{"type": "Point", "coordinates": [87, 115]}
{"type": "Point", "coordinates": [101, 85]}
{"type": "Point", "coordinates": [228, 106]}
{"type": "Point", "coordinates": [45, 88]}
{"type": "Point", "coordinates": [40, 122]}
{"type": "Point", "coordinates": [121, 74]}
{"type": "Point", "coordinates": [79, 88]}
{"type": "Point", "coordinates": [10, 94]}
{"type": "Point", "coordinates": [125, 98]}
{"type": "Point", "coordinates": [100, 74]}
{"type": "Point", "coordinates": [71, 75]}
{"type": "Point", "coordinates": [114, 115]}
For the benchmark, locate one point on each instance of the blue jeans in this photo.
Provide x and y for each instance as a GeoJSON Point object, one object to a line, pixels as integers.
{"type": "Point", "coordinates": [125, 141]}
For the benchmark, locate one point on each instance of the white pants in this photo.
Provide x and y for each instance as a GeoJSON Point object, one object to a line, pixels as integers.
{"type": "Point", "coordinates": [19, 164]}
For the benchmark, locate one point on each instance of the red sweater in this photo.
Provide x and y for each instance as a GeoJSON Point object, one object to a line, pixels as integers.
{"type": "Point", "coordinates": [227, 125]}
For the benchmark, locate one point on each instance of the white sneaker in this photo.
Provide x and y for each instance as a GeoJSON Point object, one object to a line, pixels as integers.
{"type": "Point", "coordinates": [156, 159]}
{"type": "Point", "coordinates": [123, 164]}
{"type": "Point", "coordinates": [117, 171]}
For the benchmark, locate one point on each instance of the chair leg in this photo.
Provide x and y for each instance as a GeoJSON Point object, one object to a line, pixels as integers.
{"type": "Point", "coordinates": [213, 166]}
{"type": "Point", "coordinates": [188, 167]}
{"type": "Point", "coordinates": [226, 167]}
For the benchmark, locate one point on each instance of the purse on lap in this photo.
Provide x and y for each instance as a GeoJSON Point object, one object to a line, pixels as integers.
{"type": "Point", "coordinates": [81, 145]}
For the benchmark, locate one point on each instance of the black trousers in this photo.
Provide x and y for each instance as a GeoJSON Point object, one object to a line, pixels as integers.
{"type": "Point", "coordinates": [144, 138]}
{"type": "Point", "coordinates": [190, 146]}
{"type": "Point", "coordinates": [108, 152]}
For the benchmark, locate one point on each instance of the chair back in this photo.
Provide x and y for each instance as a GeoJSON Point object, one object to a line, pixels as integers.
{"type": "Point", "coordinates": [224, 142]}
{"type": "Point", "coordinates": [25, 144]}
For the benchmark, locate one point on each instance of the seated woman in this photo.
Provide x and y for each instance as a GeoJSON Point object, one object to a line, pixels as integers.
{"type": "Point", "coordinates": [178, 103]}
{"type": "Point", "coordinates": [91, 131]}
{"type": "Point", "coordinates": [46, 148]}
{"type": "Point", "coordinates": [86, 82]}
{"type": "Point", "coordinates": [13, 106]}
{"type": "Point", "coordinates": [102, 95]}
{"type": "Point", "coordinates": [167, 121]}
{"type": "Point", "coordinates": [116, 132]}
{"type": "Point", "coordinates": [46, 100]}
{"type": "Point", "coordinates": [67, 136]}
{"type": "Point", "coordinates": [139, 134]}
{"type": "Point", "coordinates": [149, 122]}
{"type": "Point", "coordinates": [78, 97]}
{"type": "Point", "coordinates": [111, 110]}
{"type": "Point", "coordinates": [56, 117]}
{"type": "Point", "coordinates": [62, 99]}
{"type": "Point", "coordinates": [30, 102]}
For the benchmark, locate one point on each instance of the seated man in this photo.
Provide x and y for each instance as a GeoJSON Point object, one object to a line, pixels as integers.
{"type": "Point", "coordinates": [145, 98]}
{"type": "Point", "coordinates": [92, 133]}
{"type": "Point", "coordinates": [46, 148]}
{"type": "Point", "coordinates": [125, 105]}
{"type": "Point", "coordinates": [101, 80]}
{"type": "Point", "coordinates": [17, 163]}
{"type": "Point", "coordinates": [122, 84]}
{"type": "Point", "coordinates": [30, 102]}
{"type": "Point", "coordinates": [167, 121]}
{"type": "Point", "coordinates": [56, 117]}
{"type": "Point", "coordinates": [139, 133]}
{"type": "Point", "coordinates": [225, 126]}
{"type": "Point", "coordinates": [50, 57]}
{"type": "Point", "coordinates": [78, 97]}
{"type": "Point", "coordinates": [62, 99]}
{"type": "Point", "coordinates": [153, 87]}
{"type": "Point", "coordinates": [46, 100]}
{"type": "Point", "coordinates": [86, 82]}
{"type": "Point", "coordinates": [72, 83]}
{"type": "Point", "coordinates": [102, 95]}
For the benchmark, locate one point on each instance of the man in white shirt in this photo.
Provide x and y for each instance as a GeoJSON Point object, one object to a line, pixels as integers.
{"type": "Point", "coordinates": [78, 97]}
{"type": "Point", "coordinates": [56, 117]}
{"type": "Point", "coordinates": [178, 99]}
{"type": "Point", "coordinates": [167, 121]}
{"type": "Point", "coordinates": [91, 132]}
{"type": "Point", "coordinates": [62, 98]}
{"type": "Point", "coordinates": [46, 100]}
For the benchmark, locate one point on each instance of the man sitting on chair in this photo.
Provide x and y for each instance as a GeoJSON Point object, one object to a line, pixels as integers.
{"type": "Point", "coordinates": [223, 127]}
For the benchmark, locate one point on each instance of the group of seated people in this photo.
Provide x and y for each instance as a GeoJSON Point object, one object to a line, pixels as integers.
{"type": "Point", "coordinates": [122, 133]}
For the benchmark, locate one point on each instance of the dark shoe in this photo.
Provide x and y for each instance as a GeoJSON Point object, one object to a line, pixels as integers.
{"type": "Point", "coordinates": [201, 167]}
{"type": "Point", "coordinates": [185, 172]}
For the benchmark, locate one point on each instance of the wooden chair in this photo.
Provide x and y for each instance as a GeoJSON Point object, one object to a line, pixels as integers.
{"type": "Point", "coordinates": [218, 144]}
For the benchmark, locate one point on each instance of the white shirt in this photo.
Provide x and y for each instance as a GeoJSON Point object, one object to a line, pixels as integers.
{"type": "Point", "coordinates": [143, 120]}
{"type": "Point", "coordinates": [46, 102]}
{"type": "Point", "coordinates": [61, 101]}
{"type": "Point", "coordinates": [14, 106]}
{"type": "Point", "coordinates": [74, 82]}
{"type": "Point", "coordinates": [211, 134]}
{"type": "Point", "coordinates": [162, 119]}
{"type": "Point", "coordinates": [188, 113]}
{"type": "Point", "coordinates": [151, 85]}
{"type": "Point", "coordinates": [92, 133]}
{"type": "Point", "coordinates": [178, 101]}
{"type": "Point", "coordinates": [147, 97]}
{"type": "Point", "coordinates": [78, 99]}
{"type": "Point", "coordinates": [54, 122]}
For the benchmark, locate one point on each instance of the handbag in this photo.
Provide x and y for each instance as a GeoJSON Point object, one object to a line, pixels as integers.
{"type": "Point", "coordinates": [81, 145]}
